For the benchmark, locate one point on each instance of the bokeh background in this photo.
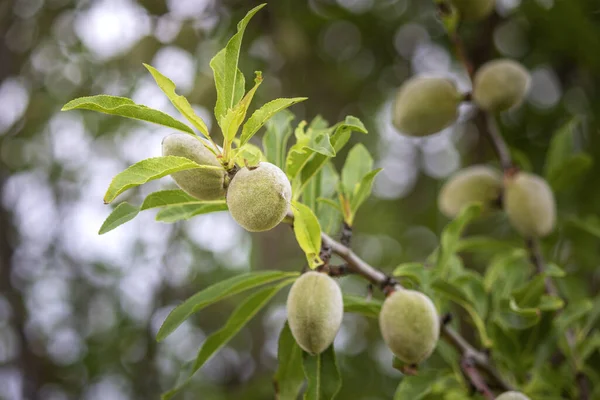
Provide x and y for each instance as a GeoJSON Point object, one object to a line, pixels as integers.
{"type": "Point", "coordinates": [78, 311]}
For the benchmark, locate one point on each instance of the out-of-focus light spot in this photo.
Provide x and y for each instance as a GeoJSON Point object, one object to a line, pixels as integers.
{"type": "Point", "coordinates": [11, 383]}
{"type": "Point", "coordinates": [167, 28]}
{"type": "Point", "coordinates": [341, 40]}
{"type": "Point", "coordinates": [113, 387]}
{"type": "Point", "coordinates": [188, 8]}
{"type": "Point", "coordinates": [101, 315]}
{"type": "Point", "coordinates": [356, 6]}
{"type": "Point", "coordinates": [440, 157]}
{"type": "Point", "coordinates": [111, 27]}
{"type": "Point", "coordinates": [362, 64]}
{"type": "Point", "coordinates": [178, 65]}
{"type": "Point", "coordinates": [21, 36]}
{"type": "Point", "coordinates": [63, 29]}
{"type": "Point", "coordinates": [430, 58]}
{"type": "Point", "coordinates": [419, 242]}
{"type": "Point", "coordinates": [384, 358]}
{"type": "Point", "coordinates": [547, 4]}
{"type": "Point", "coordinates": [70, 142]}
{"type": "Point", "coordinates": [505, 7]}
{"type": "Point", "coordinates": [14, 98]}
{"type": "Point", "coordinates": [217, 232]}
{"type": "Point", "coordinates": [65, 347]}
{"type": "Point", "coordinates": [408, 38]}
{"type": "Point", "coordinates": [510, 39]}
{"type": "Point", "coordinates": [545, 89]}
{"type": "Point", "coordinates": [52, 392]}
{"type": "Point", "coordinates": [137, 290]}
{"type": "Point", "coordinates": [351, 338]}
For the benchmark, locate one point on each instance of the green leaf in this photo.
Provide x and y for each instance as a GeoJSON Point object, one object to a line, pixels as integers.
{"type": "Point", "coordinates": [229, 80]}
{"type": "Point", "coordinates": [416, 387]}
{"type": "Point", "coordinates": [240, 317]}
{"type": "Point", "coordinates": [322, 375]}
{"type": "Point", "coordinates": [484, 244]}
{"type": "Point", "coordinates": [412, 270]}
{"type": "Point", "coordinates": [125, 107]}
{"type": "Point", "coordinates": [236, 115]}
{"type": "Point", "coordinates": [573, 313]}
{"type": "Point", "coordinates": [561, 147]}
{"type": "Point", "coordinates": [308, 233]}
{"type": "Point", "coordinates": [215, 293]}
{"type": "Point", "coordinates": [457, 295]}
{"type": "Point", "coordinates": [452, 232]}
{"type": "Point", "coordinates": [264, 113]}
{"type": "Point", "coordinates": [572, 169]}
{"type": "Point", "coordinates": [289, 377]}
{"type": "Point", "coordinates": [512, 316]}
{"type": "Point", "coordinates": [179, 212]}
{"type": "Point", "coordinates": [338, 139]}
{"type": "Point", "coordinates": [180, 102]}
{"type": "Point", "coordinates": [360, 305]}
{"type": "Point", "coordinates": [148, 170]}
{"type": "Point", "coordinates": [122, 213]}
{"type": "Point", "coordinates": [358, 163]}
{"type": "Point", "coordinates": [248, 155]}
{"type": "Point", "coordinates": [363, 191]}
{"type": "Point", "coordinates": [165, 198]}
{"type": "Point", "coordinates": [309, 143]}
{"type": "Point", "coordinates": [279, 130]}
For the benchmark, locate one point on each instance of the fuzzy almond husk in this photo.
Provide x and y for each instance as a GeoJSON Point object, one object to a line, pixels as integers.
{"type": "Point", "coordinates": [500, 85]}
{"type": "Point", "coordinates": [512, 396]}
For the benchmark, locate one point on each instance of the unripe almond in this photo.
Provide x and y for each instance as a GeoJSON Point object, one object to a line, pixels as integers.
{"type": "Point", "coordinates": [500, 84]}
{"type": "Point", "coordinates": [425, 106]}
{"type": "Point", "coordinates": [478, 183]}
{"type": "Point", "coordinates": [512, 396]}
{"type": "Point", "coordinates": [204, 184]}
{"type": "Point", "coordinates": [529, 204]}
{"type": "Point", "coordinates": [410, 325]}
{"type": "Point", "coordinates": [258, 198]}
{"type": "Point", "coordinates": [474, 10]}
{"type": "Point", "coordinates": [315, 309]}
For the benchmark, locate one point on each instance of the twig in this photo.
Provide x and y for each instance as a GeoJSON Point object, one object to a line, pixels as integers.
{"type": "Point", "coordinates": [470, 370]}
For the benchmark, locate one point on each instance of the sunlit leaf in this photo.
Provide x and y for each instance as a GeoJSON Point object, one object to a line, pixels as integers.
{"type": "Point", "coordinates": [279, 130]}
{"type": "Point", "coordinates": [178, 101]}
{"type": "Point", "coordinates": [122, 213]}
{"type": "Point", "coordinates": [180, 212]}
{"type": "Point", "coordinates": [264, 113]}
{"type": "Point", "coordinates": [308, 233]}
{"type": "Point", "coordinates": [125, 107]}
{"type": "Point", "coordinates": [147, 170]}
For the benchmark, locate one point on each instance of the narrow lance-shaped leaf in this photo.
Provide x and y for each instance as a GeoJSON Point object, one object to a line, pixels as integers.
{"type": "Point", "coordinates": [323, 377]}
{"type": "Point", "coordinates": [264, 113]}
{"type": "Point", "coordinates": [180, 102]}
{"type": "Point", "coordinates": [125, 107]}
{"type": "Point", "coordinates": [236, 115]}
{"type": "Point", "coordinates": [229, 80]}
{"type": "Point", "coordinates": [124, 212]}
{"type": "Point", "coordinates": [180, 212]}
{"type": "Point", "coordinates": [279, 130]}
{"type": "Point", "coordinates": [148, 170]}
{"type": "Point", "coordinates": [308, 233]}
{"type": "Point", "coordinates": [215, 293]}
{"type": "Point", "coordinates": [360, 305]}
{"type": "Point", "coordinates": [240, 317]}
{"type": "Point", "coordinates": [362, 191]}
{"type": "Point", "coordinates": [451, 234]}
{"type": "Point", "coordinates": [289, 377]}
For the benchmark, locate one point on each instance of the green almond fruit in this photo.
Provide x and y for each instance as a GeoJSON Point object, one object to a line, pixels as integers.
{"type": "Point", "coordinates": [478, 183]}
{"type": "Point", "coordinates": [500, 85]}
{"type": "Point", "coordinates": [474, 10]}
{"type": "Point", "coordinates": [258, 198]}
{"type": "Point", "coordinates": [204, 184]}
{"type": "Point", "coordinates": [315, 309]}
{"type": "Point", "coordinates": [425, 106]}
{"type": "Point", "coordinates": [410, 325]}
{"type": "Point", "coordinates": [529, 204]}
{"type": "Point", "coordinates": [512, 396]}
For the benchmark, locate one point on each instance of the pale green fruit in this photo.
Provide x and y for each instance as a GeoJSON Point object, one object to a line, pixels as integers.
{"type": "Point", "coordinates": [315, 309]}
{"type": "Point", "coordinates": [500, 84]}
{"type": "Point", "coordinates": [258, 198]}
{"type": "Point", "coordinates": [478, 183]}
{"type": "Point", "coordinates": [204, 184]}
{"type": "Point", "coordinates": [474, 10]}
{"type": "Point", "coordinates": [410, 325]}
{"type": "Point", "coordinates": [529, 204]}
{"type": "Point", "coordinates": [425, 106]}
{"type": "Point", "coordinates": [512, 396]}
